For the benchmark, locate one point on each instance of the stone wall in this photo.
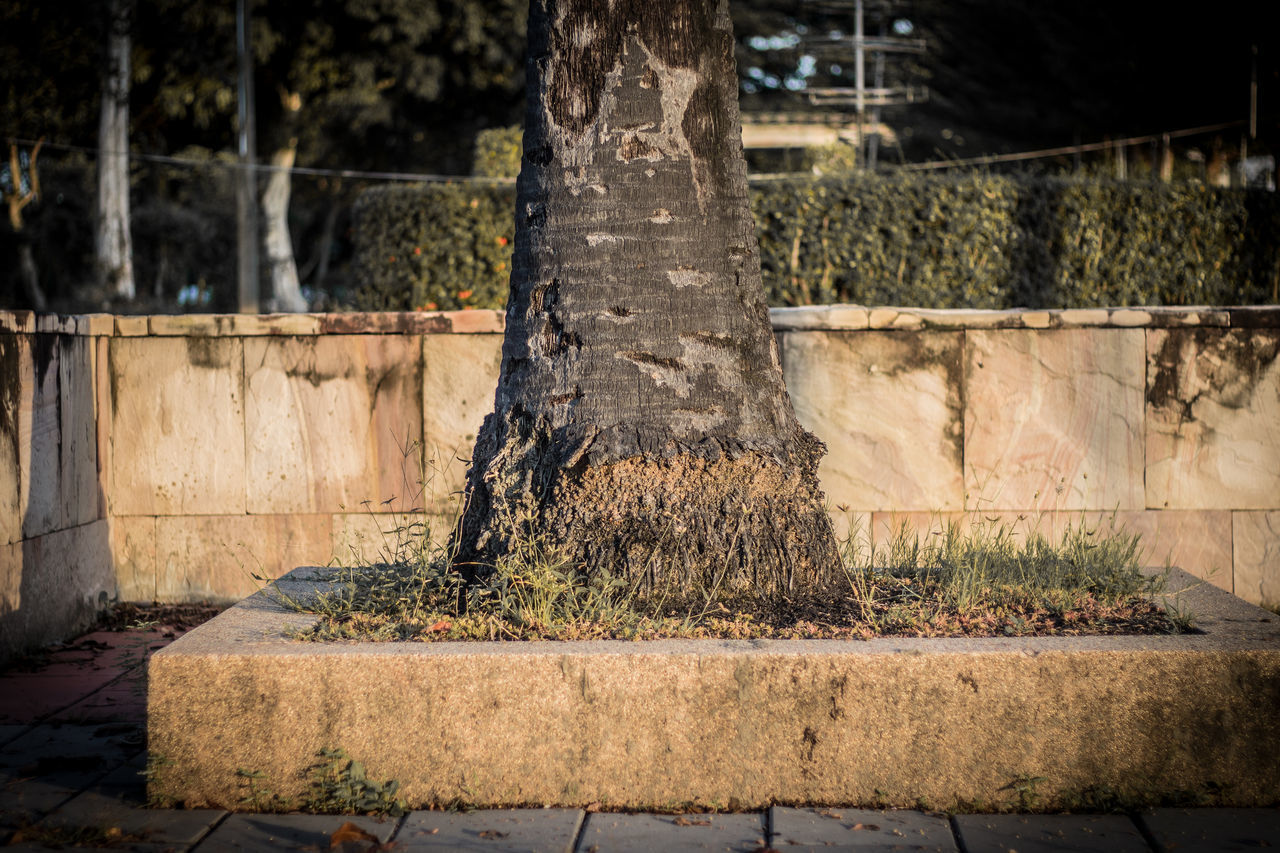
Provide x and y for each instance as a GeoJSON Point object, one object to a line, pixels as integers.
{"type": "Point", "coordinates": [56, 565]}
{"type": "Point", "coordinates": [175, 457]}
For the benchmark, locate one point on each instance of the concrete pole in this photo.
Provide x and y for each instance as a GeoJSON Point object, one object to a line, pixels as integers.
{"type": "Point", "coordinates": [860, 71]}
{"type": "Point", "coordinates": [873, 138]}
{"type": "Point", "coordinates": [247, 184]}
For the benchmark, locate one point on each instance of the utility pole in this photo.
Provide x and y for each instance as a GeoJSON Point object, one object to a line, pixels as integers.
{"type": "Point", "coordinates": [861, 96]}
{"type": "Point", "coordinates": [860, 78]}
{"type": "Point", "coordinates": [1253, 92]}
{"type": "Point", "coordinates": [873, 138]}
{"type": "Point", "coordinates": [247, 183]}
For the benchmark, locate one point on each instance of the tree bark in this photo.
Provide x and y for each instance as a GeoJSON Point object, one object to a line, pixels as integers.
{"type": "Point", "coordinates": [113, 244]}
{"type": "Point", "coordinates": [641, 422]}
{"type": "Point", "coordinates": [20, 194]}
{"type": "Point", "coordinates": [286, 292]}
{"type": "Point", "coordinates": [29, 275]}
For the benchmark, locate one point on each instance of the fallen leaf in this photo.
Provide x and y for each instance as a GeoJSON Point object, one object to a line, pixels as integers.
{"type": "Point", "coordinates": [350, 832]}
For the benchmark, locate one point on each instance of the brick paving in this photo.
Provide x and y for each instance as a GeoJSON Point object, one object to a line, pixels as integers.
{"type": "Point", "coordinates": [72, 776]}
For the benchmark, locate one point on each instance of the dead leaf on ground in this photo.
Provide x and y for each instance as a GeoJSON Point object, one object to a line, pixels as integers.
{"type": "Point", "coordinates": [350, 832]}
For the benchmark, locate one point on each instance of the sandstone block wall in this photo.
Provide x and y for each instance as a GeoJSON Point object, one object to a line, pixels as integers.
{"type": "Point", "coordinates": [175, 457]}
{"type": "Point", "coordinates": [1159, 421]}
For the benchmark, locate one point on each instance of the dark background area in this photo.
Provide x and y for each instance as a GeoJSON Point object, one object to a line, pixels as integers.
{"type": "Point", "coordinates": [388, 86]}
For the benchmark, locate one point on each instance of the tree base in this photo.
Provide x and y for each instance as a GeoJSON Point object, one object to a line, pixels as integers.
{"type": "Point", "coordinates": [683, 522]}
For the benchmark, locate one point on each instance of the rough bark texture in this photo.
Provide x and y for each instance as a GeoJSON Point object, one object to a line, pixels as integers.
{"type": "Point", "coordinates": [286, 292]}
{"type": "Point", "coordinates": [113, 244]}
{"type": "Point", "coordinates": [29, 275]}
{"type": "Point", "coordinates": [641, 420]}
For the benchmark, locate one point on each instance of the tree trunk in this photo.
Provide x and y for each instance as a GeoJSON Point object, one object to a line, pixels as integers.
{"type": "Point", "coordinates": [286, 293]}
{"type": "Point", "coordinates": [640, 421]}
{"type": "Point", "coordinates": [318, 267]}
{"type": "Point", "coordinates": [114, 247]}
{"type": "Point", "coordinates": [29, 275]}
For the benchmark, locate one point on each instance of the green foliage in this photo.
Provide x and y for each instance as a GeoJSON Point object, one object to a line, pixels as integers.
{"type": "Point", "coordinates": [255, 796]}
{"type": "Point", "coordinates": [153, 773]}
{"type": "Point", "coordinates": [433, 246]}
{"type": "Point", "coordinates": [358, 83]}
{"type": "Point", "coordinates": [966, 240]}
{"type": "Point", "coordinates": [340, 785]}
{"type": "Point", "coordinates": [532, 592]}
{"type": "Point", "coordinates": [975, 240]}
{"type": "Point", "coordinates": [1024, 787]}
{"type": "Point", "coordinates": [536, 590]}
{"type": "Point", "coordinates": [52, 80]}
{"type": "Point", "coordinates": [498, 152]}
{"type": "Point", "coordinates": [993, 577]}
{"type": "Point", "coordinates": [839, 158]}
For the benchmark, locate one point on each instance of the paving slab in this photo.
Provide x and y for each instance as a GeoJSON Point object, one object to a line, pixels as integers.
{"type": "Point", "coordinates": [607, 832]}
{"type": "Point", "coordinates": [126, 783]}
{"type": "Point", "coordinates": [51, 840]}
{"type": "Point", "coordinates": [117, 803]}
{"type": "Point", "coordinates": [1213, 830]}
{"type": "Point", "coordinates": [23, 801]}
{"type": "Point", "coordinates": [122, 700]}
{"type": "Point", "coordinates": [29, 697]}
{"type": "Point", "coordinates": [73, 672]}
{"type": "Point", "coordinates": [49, 764]}
{"type": "Point", "coordinates": [1049, 834]}
{"type": "Point", "coordinates": [527, 830]}
{"type": "Point", "coordinates": [289, 832]}
{"type": "Point", "coordinates": [9, 732]}
{"type": "Point", "coordinates": [73, 756]}
{"type": "Point", "coordinates": [99, 810]}
{"type": "Point", "coordinates": [863, 830]}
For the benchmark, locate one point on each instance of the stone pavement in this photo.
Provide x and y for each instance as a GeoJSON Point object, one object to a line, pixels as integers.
{"type": "Point", "coordinates": [73, 761]}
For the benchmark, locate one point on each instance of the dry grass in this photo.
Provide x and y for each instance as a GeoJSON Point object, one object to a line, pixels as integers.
{"type": "Point", "coordinates": [986, 580]}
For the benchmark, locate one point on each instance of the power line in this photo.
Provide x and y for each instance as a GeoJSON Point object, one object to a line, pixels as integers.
{"type": "Point", "coordinates": [417, 177]}
{"type": "Point", "coordinates": [414, 177]}
{"type": "Point", "coordinates": [1069, 149]}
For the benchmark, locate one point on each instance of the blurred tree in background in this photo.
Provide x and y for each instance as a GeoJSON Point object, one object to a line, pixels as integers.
{"type": "Point", "coordinates": [342, 85]}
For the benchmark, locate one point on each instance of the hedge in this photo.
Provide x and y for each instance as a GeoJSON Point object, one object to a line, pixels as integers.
{"type": "Point", "coordinates": [423, 247]}
{"type": "Point", "coordinates": [498, 152]}
{"type": "Point", "coordinates": [972, 240]}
